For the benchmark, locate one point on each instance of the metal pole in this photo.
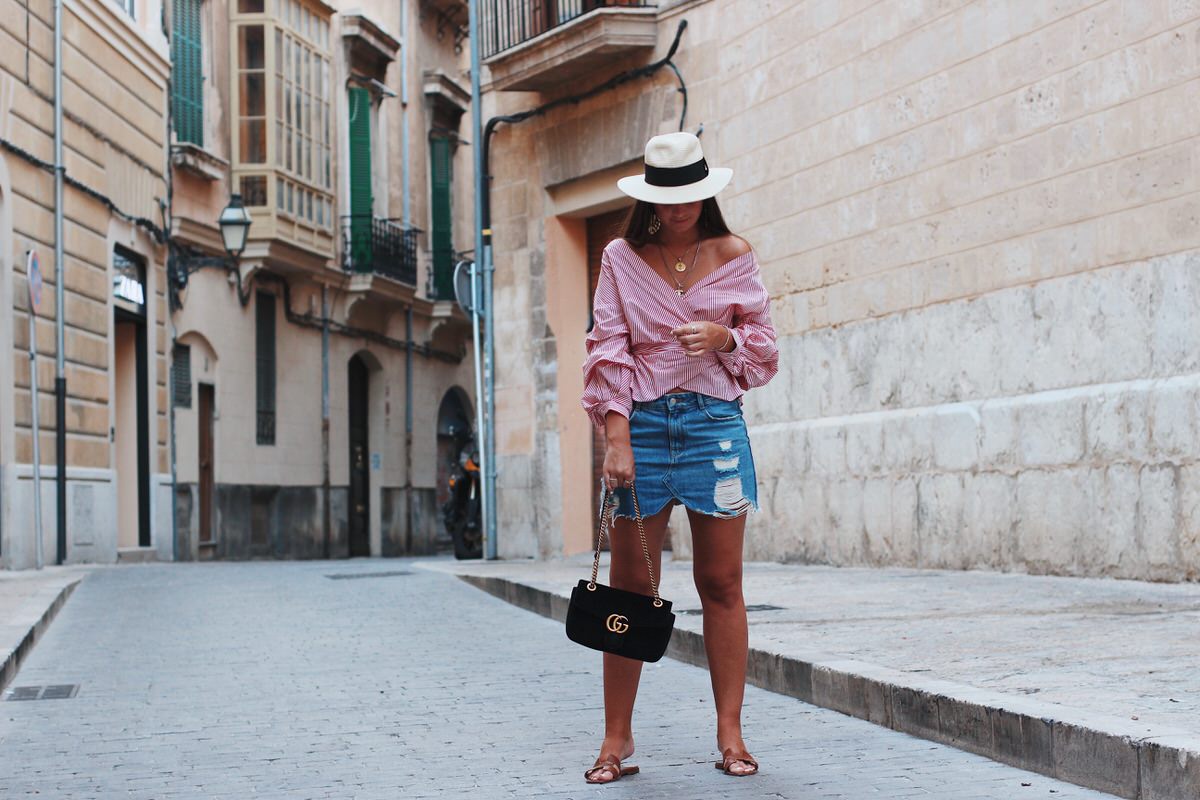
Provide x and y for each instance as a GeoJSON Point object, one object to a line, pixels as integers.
{"type": "Point", "coordinates": [325, 492]}
{"type": "Point", "coordinates": [490, 326]}
{"type": "Point", "coordinates": [37, 455]}
{"type": "Point", "coordinates": [406, 204]}
{"type": "Point", "coordinates": [483, 236]}
{"type": "Point", "coordinates": [485, 496]}
{"type": "Point", "coordinates": [60, 279]}
{"type": "Point", "coordinates": [408, 428]}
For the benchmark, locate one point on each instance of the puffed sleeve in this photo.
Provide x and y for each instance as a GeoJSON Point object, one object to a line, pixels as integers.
{"type": "Point", "coordinates": [608, 368]}
{"type": "Point", "coordinates": [754, 359]}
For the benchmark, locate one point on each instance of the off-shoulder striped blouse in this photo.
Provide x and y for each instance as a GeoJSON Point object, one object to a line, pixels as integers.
{"type": "Point", "coordinates": [631, 354]}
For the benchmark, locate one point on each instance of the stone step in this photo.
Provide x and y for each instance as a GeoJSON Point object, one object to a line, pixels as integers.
{"type": "Point", "coordinates": [136, 555]}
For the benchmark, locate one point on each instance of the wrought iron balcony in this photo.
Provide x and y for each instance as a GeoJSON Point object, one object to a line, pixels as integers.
{"type": "Point", "coordinates": [504, 24]}
{"type": "Point", "coordinates": [381, 247]}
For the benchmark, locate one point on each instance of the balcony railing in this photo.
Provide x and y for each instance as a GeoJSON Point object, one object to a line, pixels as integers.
{"type": "Point", "coordinates": [505, 24]}
{"type": "Point", "coordinates": [379, 246]}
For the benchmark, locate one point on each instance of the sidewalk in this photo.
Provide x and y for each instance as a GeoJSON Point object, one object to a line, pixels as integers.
{"type": "Point", "coordinates": [1092, 681]}
{"type": "Point", "coordinates": [29, 599]}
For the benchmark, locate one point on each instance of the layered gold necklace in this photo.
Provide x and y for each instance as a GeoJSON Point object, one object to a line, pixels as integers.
{"type": "Point", "coordinates": [680, 265]}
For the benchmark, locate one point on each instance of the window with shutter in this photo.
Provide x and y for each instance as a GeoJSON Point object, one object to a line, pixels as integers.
{"type": "Point", "coordinates": [440, 153]}
{"type": "Point", "coordinates": [181, 376]}
{"type": "Point", "coordinates": [264, 320]}
{"type": "Point", "coordinates": [361, 201]}
{"type": "Point", "coordinates": [187, 79]}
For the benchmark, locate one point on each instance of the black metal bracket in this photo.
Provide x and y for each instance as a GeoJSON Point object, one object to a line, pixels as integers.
{"type": "Point", "coordinates": [184, 260]}
{"type": "Point", "coordinates": [446, 19]}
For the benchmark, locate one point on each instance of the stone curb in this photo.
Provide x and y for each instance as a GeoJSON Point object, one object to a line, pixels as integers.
{"type": "Point", "coordinates": [1100, 752]}
{"type": "Point", "coordinates": [14, 657]}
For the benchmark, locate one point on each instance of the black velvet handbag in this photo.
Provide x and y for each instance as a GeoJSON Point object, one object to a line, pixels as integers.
{"type": "Point", "coordinates": [614, 620]}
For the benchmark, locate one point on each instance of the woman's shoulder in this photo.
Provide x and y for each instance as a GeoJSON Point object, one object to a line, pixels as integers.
{"type": "Point", "coordinates": [730, 246]}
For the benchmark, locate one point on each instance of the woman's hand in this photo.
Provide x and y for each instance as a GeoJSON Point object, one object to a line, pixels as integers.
{"type": "Point", "coordinates": [697, 338]}
{"type": "Point", "coordinates": [618, 456]}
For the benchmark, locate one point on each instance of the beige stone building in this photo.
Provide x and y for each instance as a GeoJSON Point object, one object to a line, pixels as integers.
{"type": "Point", "coordinates": [115, 70]}
{"type": "Point", "coordinates": [318, 387]}
{"type": "Point", "coordinates": [979, 223]}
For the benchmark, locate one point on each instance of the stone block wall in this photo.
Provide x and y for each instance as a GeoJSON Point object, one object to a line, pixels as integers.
{"type": "Point", "coordinates": [979, 224]}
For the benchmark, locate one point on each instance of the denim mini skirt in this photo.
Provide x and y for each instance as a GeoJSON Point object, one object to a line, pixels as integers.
{"type": "Point", "coordinates": [692, 449]}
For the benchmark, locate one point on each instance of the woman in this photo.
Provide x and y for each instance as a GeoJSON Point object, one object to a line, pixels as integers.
{"type": "Point", "coordinates": [681, 330]}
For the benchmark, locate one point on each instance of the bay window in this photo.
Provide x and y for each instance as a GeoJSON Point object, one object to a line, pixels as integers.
{"type": "Point", "coordinates": [282, 83]}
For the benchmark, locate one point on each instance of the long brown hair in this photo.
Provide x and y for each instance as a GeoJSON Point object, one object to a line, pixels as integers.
{"type": "Point", "coordinates": [636, 228]}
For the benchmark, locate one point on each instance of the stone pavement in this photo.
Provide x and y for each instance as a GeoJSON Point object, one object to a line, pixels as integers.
{"type": "Point", "coordinates": [271, 679]}
{"type": "Point", "coordinates": [28, 601]}
{"type": "Point", "coordinates": [1092, 680]}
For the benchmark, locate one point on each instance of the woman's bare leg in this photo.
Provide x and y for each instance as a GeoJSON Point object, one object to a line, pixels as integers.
{"type": "Point", "coordinates": [717, 570]}
{"type": "Point", "coordinates": [621, 675]}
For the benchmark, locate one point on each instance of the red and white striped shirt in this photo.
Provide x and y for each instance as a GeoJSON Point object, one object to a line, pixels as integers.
{"type": "Point", "coordinates": [631, 354]}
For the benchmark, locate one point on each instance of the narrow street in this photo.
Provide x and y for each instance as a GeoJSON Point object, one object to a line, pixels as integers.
{"type": "Point", "coordinates": [369, 679]}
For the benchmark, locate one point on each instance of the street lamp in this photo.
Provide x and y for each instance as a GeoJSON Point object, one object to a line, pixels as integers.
{"type": "Point", "coordinates": [234, 223]}
{"type": "Point", "coordinates": [235, 226]}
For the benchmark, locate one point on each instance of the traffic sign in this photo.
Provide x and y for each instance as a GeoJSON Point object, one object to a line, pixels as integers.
{"type": "Point", "coordinates": [463, 286]}
{"type": "Point", "coordinates": [33, 269]}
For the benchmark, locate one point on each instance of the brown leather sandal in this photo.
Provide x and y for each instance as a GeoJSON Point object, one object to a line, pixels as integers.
{"type": "Point", "coordinates": [730, 758]}
{"type": "Point", "coordinates": [610, 765]}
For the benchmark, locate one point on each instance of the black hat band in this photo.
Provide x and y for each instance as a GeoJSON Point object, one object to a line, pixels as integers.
{"type": "Point", "coordinates": [677, 176]}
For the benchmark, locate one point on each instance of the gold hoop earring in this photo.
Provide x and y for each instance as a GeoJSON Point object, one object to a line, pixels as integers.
{"type": "Point", "coordinates": [655, 224]}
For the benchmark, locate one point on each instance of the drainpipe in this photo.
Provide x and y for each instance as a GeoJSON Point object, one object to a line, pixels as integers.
{"type": "Point", "coordinates": [60, 273]}
{"type": "Point", "coordinates": [325, 492]}
{"type": "Point", "coordinates": [483, 253]}
{"type": "Point", "coordinates": [404, 194]}
{"type": "Point", "coordinates": [408, 428]}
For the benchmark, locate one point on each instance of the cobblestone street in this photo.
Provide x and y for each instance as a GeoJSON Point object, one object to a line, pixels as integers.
{"type": "Point", "coordinates": [276, 680]}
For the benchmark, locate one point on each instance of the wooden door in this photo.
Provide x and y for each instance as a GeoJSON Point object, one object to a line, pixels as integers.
{"type": "Point", "coordinates": [360, 530]}
{"type": "Point", "coordinates": [206, 405]}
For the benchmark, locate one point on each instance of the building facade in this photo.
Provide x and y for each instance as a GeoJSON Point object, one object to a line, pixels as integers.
{"type": "Point", "coordinates": [115, 70]}
{"type": "Point", "coordinates": [305, 399]}
{"type": "Point", "coordinates": [320, 387]}
{"type": "Point", "coordinates": [978, 223]}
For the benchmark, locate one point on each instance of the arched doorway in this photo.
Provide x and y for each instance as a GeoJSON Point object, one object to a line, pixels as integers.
{"type": "Point", "coordinates": [358, 398]}
{"type": "Point", "coordinates": [453, 427]}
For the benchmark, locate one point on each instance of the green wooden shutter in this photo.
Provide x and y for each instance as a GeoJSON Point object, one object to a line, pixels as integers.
{"type": "Point", "coordinates": [443, 235]}
{"type": "Point", "coordinates": [361, 202]}
{"type": "Point", "coordinates": [187, 78]}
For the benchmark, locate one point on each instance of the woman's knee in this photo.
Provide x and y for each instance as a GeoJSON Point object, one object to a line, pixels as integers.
{"type": "Point", "coordinates": [721, 587]}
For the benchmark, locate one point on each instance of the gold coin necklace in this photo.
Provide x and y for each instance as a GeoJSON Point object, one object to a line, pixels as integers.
{"type": "Point", "coordinates": [680, 266]}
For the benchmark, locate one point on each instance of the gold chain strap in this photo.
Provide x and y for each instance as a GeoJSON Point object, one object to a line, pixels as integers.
{"type": "Point", "coordinates": [606, 515]}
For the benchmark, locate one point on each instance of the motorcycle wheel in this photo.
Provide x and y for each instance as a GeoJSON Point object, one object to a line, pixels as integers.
{"type": "Point", "coordinates": [468, 539]}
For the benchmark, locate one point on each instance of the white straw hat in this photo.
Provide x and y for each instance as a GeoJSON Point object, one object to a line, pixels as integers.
{"type": "Point", "coordinates": [676, 172]}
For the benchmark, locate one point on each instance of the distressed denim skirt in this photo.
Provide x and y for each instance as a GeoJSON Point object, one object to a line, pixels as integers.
{"type": "Point", "coordinates": [692, 449]}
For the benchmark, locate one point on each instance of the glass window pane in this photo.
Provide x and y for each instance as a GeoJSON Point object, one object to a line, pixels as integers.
{"type": "Point", "coordinates": [251, 51]}
{"type": "Point", "coordinates": [252, 134]}
{"type": "Point", "coordinates": [252, 97]}
{"type": "Point", "coordinates": [250, 6]}
{"type": "Point", "coordinates": [279, 193]}
{"type": "Point", "coordinates": [278, 51]}
{"type": "Point", "coordinates": [254, 190]}
{"type": "Point", "coordinates": [289, 194]}
{"type": "Point", "coordinates": [288, 150]}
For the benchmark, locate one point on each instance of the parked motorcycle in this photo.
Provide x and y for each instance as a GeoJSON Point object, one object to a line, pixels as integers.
{"type": "Point", "coordinates": [462, 512]}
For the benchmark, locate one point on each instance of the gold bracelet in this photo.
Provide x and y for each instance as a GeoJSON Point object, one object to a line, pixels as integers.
{"type": "Point", "coordinates": [727, 341]}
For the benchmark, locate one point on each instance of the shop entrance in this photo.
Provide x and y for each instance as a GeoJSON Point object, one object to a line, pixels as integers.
{"type": "Point", "coordinates": [131, 428]}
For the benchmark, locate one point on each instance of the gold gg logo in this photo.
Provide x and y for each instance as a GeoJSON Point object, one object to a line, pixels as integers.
{"type": "Point", "coordinates": [616, 623]}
